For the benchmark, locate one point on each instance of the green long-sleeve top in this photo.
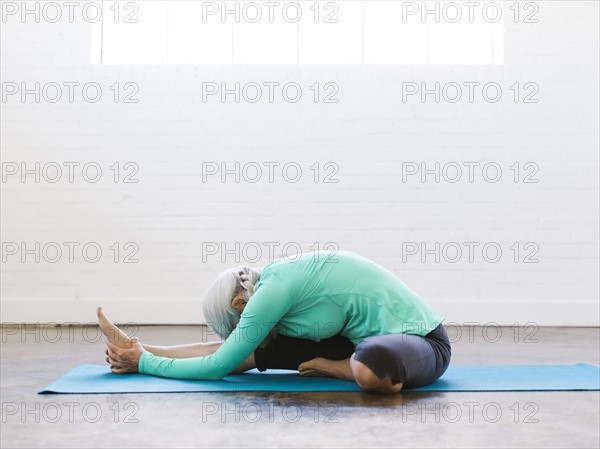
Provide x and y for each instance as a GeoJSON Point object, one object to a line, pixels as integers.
{"type": "Point", "coordinates": [315, 296]}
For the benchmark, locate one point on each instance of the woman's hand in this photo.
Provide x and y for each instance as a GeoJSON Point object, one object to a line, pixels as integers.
{"type": "Point", "coordinates": [122, 360]}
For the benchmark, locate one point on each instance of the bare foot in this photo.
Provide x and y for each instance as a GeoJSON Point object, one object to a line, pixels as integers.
{"type": "Point", "coordinates": [324, 367]}
{"type": "Point", "coordinates": [115, 335]}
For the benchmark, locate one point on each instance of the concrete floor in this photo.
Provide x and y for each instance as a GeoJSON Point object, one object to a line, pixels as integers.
{"type": "Point", "coordinates": [520, 419]}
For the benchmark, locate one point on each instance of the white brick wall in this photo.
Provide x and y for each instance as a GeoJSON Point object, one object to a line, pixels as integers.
{"type": "Point", "coordinates": [369, 134]}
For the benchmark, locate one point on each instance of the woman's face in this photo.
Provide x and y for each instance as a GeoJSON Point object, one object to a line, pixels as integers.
{"type": "Point", "coordinates": [238, 302]}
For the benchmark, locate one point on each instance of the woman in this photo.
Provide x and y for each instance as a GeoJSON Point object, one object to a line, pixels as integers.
{"type": "Point", "coordinates": [400, 341]}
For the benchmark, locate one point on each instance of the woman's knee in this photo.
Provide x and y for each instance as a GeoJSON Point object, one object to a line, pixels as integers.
{"type": "Point", "coordinates": [364, 376]}
{"type": "Point", "coordinates": [368, 380]}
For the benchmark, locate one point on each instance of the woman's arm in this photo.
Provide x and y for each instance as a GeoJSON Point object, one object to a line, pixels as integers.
{"type": "Point", "coordinates": [192, 350]}
{"type": "Point", "coordinates": [186, 351]}
{"type": "Point", "coordinates": [267, 306]}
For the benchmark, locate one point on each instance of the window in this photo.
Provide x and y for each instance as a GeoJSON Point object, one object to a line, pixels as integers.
{"type": "Point", "coordinates": [299, 32]}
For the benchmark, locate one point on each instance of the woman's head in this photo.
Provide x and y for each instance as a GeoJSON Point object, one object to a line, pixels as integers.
{"type": "Point", "coordinates": [219, 309]}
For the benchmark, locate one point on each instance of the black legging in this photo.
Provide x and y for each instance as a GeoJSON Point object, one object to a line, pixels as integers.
{"type": "Point", "coordinates": [413, 360]}
{"type": "Point", "coordinates": [288, 353]}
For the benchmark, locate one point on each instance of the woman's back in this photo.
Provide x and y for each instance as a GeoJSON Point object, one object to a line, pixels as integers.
{"type": "Point", "coordinates": [342, 292]}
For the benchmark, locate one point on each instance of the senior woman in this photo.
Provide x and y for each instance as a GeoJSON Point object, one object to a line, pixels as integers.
{"type": "Point", "coordinates": [333, 314]}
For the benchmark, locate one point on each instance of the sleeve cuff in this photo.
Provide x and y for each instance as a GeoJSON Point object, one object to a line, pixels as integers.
{"type": "Point", "coordinates": [142, 362]}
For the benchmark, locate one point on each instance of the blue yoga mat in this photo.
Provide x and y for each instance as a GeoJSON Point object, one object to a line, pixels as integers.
{"type": "Point", "coordinates": [99, 379]}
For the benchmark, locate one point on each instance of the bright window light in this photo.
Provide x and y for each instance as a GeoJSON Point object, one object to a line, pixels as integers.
{"type": "Point", "coordinates": [389, 41]}
{"type": "Point", "coordinates": [192, 42]}
{"type": "Point", "coordinates": [336, 37]}
{"type": "Point", "coordinates": [299, 32]}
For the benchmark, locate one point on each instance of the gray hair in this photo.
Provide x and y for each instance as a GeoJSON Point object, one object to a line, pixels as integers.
{"type": "Point", "coordinates": [218, 312]}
